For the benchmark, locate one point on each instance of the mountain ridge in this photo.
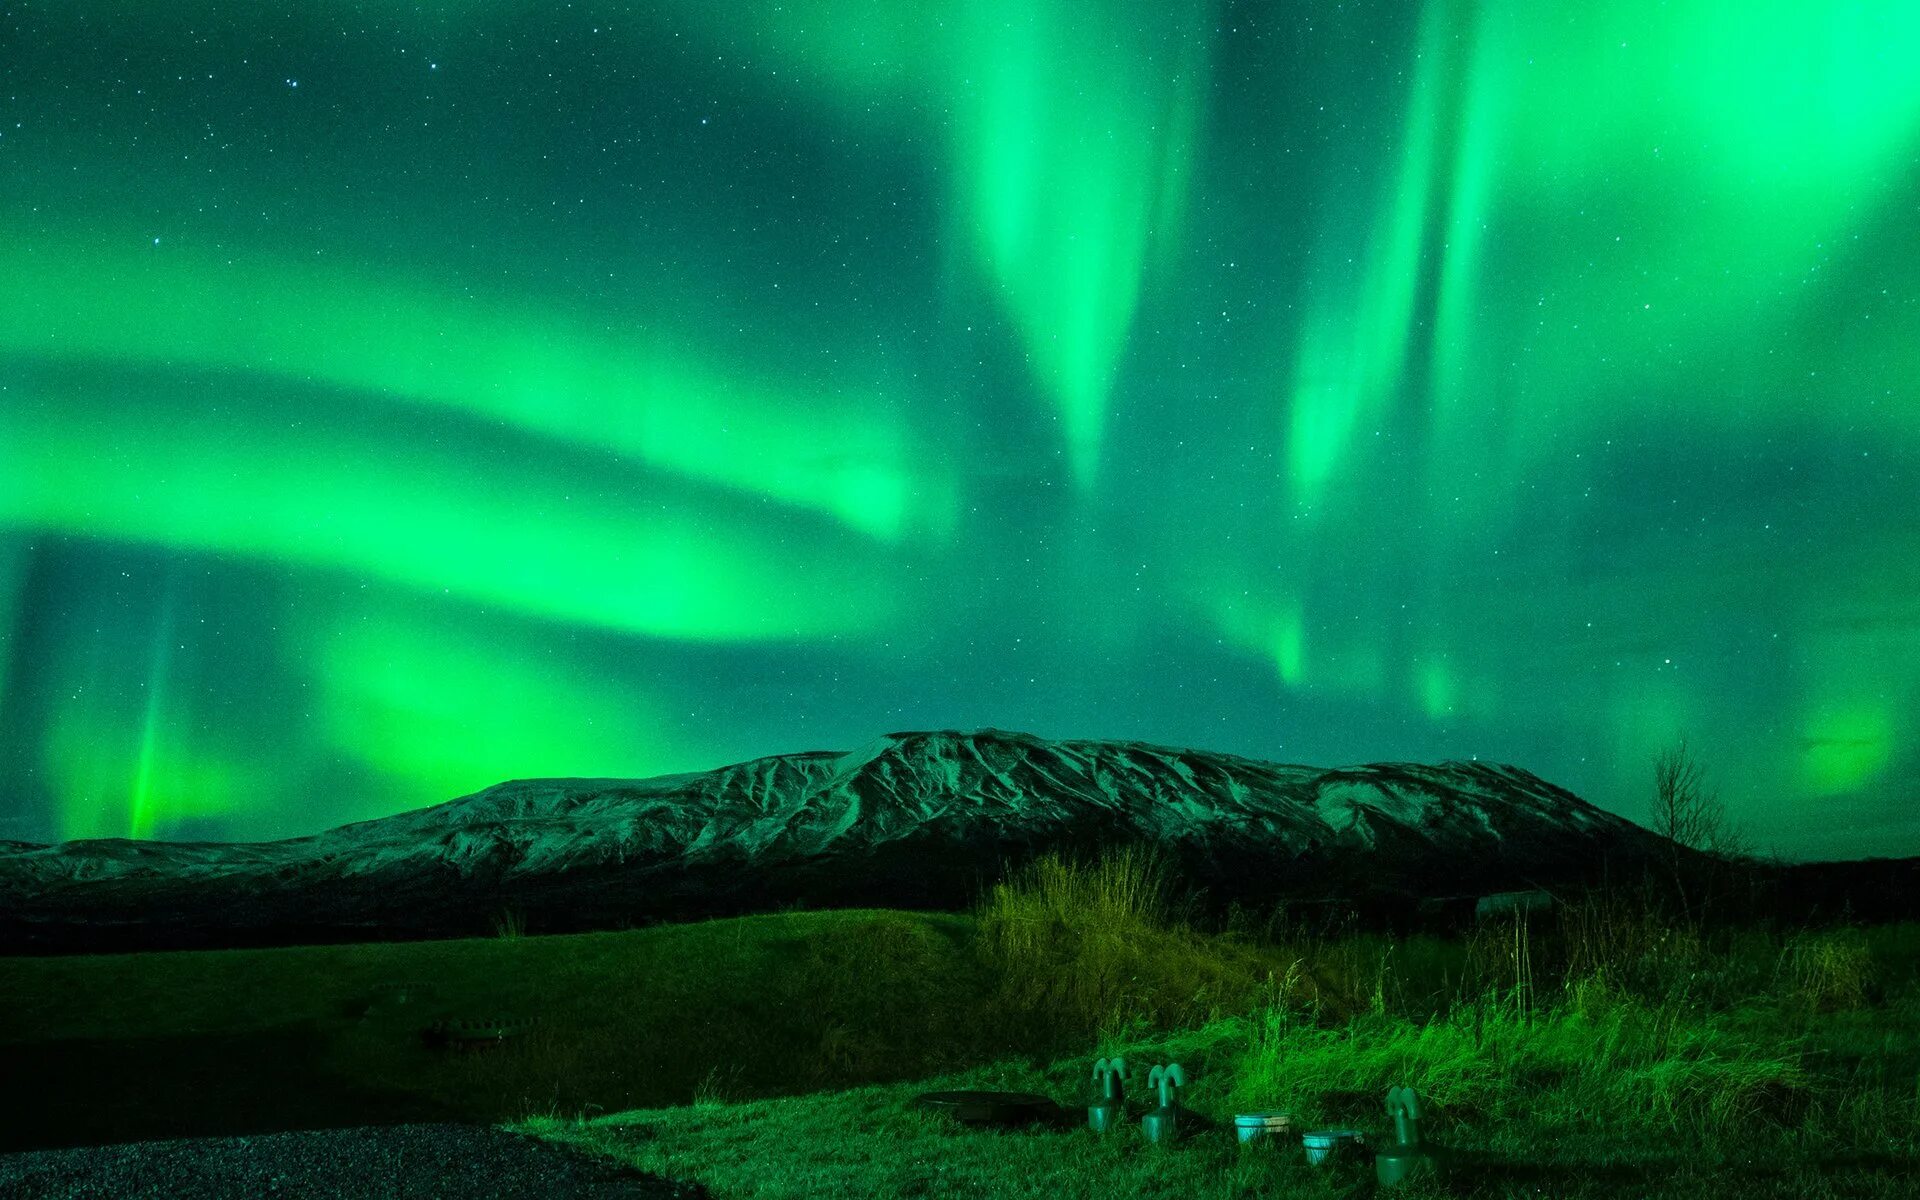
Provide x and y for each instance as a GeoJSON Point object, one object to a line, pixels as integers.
{"type": "Point", "coordinates": [918, 818]}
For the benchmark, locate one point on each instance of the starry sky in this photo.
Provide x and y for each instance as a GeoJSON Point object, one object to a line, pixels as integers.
{"type": "Point", "coordinates": [396, 398]}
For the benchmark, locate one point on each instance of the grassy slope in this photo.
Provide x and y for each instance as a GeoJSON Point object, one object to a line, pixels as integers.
{"type": "Point", "coordinates": [1736, 1114]}
{"type": "Point", "coordinates": [1610, 1054]}
{"type": "Point", "coordinates": [641, 975]}
{"type": "Point", "coordinates": [194, 1042]}
{"type": "Point", "coordinates": [873, 1142]}
{"type": "Point", "coordinates": [1627, 1099]}
{"type": "Point", "coordinates": [758, 1005]}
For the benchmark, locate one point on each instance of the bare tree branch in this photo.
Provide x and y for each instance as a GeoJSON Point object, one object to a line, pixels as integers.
{"type": "Point", "coordinates": [1690, 815]}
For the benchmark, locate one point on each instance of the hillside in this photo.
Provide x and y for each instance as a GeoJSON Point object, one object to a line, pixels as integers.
{"type": "Point", "coordinates": [917, 820]}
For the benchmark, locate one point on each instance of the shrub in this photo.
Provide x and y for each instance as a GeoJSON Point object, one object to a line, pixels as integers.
{"type": "Point", "coordinates": [1129, 888]}
{"type": "Point", "coordinates": [1826, 970]}
{"type": "Point", "coordinates": [1089, 946]}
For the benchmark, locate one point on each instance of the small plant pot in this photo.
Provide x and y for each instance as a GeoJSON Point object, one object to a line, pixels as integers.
{"type": "Point", "coordinates": [1262, 1128]}
{"type": "Point", "coordinates": [1331, 1147]}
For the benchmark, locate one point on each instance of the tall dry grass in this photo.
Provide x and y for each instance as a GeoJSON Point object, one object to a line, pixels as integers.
{"type": "Point", "coordinates": [1604, 1011]}
{"type": "Point", "coordinates": [1085, 946]}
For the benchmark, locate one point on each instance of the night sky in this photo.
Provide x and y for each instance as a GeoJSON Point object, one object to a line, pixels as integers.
{"type": "Point", "coordinates": [396, 398]}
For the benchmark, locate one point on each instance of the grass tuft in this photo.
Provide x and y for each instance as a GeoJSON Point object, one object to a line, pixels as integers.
{"type": "Point", "coordinates": [1085, 947]}
{"type": "Point", "coordinates": [1827, 970]}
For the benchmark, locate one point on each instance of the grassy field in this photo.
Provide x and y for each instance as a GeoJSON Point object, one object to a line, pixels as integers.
{"type": "Point", "coordinates": [138, 1045]}
{"type": "Point", "coordinates": [1599, 1050]}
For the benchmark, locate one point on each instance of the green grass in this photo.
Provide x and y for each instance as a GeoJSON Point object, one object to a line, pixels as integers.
{"type": "Point", "coordinates": [233, 1041]}
{"type": "Point", "coordinates": [1602, 1050]}
{"type": "Point", "coordinates": [766, 1004]}
{"type": "Point", "coordinates": [1560, 1104]}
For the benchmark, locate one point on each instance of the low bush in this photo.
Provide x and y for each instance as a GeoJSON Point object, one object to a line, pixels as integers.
{"type": "Point", "coordinates": [1826, 970]}
{"type": "Point", "coordinates": [1085, 946]}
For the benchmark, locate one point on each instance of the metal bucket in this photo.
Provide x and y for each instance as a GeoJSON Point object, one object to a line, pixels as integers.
{"type": "Point", "coordinates": [1261, 1126]}
{"type": "Point", "coordinates": [1326, 1146]}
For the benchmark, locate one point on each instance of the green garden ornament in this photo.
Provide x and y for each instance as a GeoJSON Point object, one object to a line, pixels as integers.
{"type": "Point", "coordinates": [1109, 1105]}
{"type": "Point", "coordinates": [1162, 1125]}
{"type": "Point", "coordinates": [1407, 1155]}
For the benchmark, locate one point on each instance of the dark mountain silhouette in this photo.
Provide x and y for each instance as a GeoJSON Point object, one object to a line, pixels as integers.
{"type": "Point", "coordinates": [911, 820]}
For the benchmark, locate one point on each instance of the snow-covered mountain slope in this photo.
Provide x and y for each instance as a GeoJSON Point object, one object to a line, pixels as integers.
{"type": "Point", "coordinates": [913, 819]}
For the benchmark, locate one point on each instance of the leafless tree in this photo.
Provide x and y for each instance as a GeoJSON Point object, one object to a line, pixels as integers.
{"type": "Point", "coordinates": [1690, 814]}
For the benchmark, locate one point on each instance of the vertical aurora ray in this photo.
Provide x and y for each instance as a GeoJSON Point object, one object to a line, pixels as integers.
{"type": "Point", "coordinates": [126, 737]}
{"type": "Point", "coordinates": [1273, 629]}
{"type": "Point", "coordinates": [1354, 341]}
{"type": "Point", "coordinates": [1071, 151]}
{"type": "Point", "coordinates": [1075, 152]}
{"type": "Point", "coordinates": [13, 572]}
{"type": "Point", "coordinates": [143, 817]}
{"type": "Point", "coordinates": [1690, 166]}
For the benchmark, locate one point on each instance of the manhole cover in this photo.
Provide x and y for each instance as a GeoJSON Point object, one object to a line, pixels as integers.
{"type": "Point", "coordinates": [991, 1108]}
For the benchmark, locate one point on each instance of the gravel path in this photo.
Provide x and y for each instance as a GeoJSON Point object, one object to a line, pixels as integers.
{"type": "Point", "coordinates": [459, 1162]}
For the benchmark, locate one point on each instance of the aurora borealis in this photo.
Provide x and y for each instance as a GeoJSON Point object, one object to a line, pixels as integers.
{"type": "Point", "coordinates": [398, 398]}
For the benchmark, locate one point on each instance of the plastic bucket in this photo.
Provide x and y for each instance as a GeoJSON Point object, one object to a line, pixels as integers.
{"type": "Point", "coordinates": [1325, 1146]}
{"type": "Point", "coordinates": [1254, 1127]}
